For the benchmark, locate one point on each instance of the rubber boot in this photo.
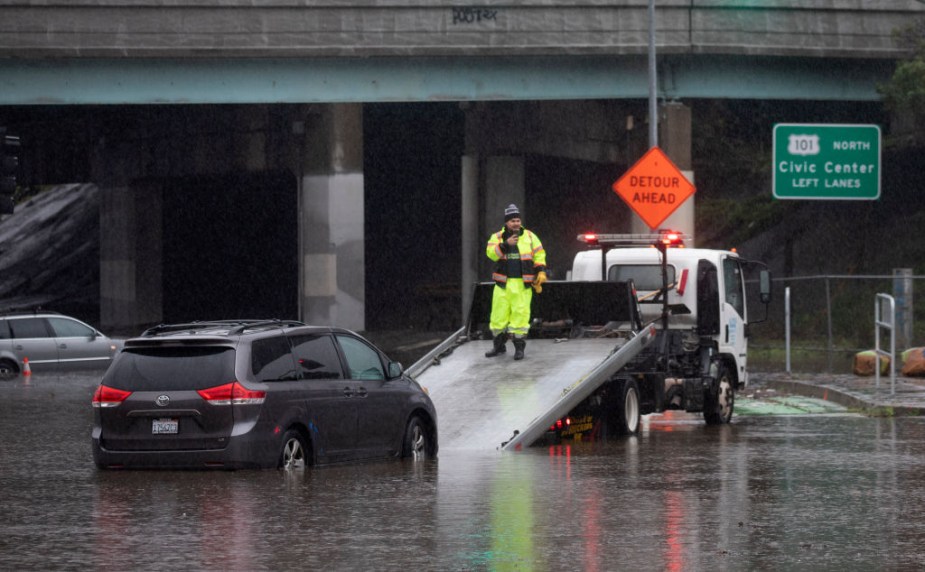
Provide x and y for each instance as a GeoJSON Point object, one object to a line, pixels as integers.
{"type": "Point", "coordinates": [500, 341]}
{"type": "Point", "coordinates": [519, 345]}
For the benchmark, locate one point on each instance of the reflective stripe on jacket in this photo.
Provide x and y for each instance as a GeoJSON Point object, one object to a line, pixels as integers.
{"type": "Point", "coordinates": [532, 256]}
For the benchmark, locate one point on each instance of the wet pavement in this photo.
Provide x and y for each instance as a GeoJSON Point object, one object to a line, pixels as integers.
{"type": "Point", "coordinates": [783, 491]}
{"type": "Point", "coordinates": [904, 396]}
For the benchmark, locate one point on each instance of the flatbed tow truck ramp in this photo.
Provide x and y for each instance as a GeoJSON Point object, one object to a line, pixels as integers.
{"type": "Point", "coordinates": [582, 334]}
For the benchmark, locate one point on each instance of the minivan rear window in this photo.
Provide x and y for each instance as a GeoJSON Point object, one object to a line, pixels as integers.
{"type": "Point", "coordinates": [317, 356]}
{"type": "Point", "coordinates": [171, 368]}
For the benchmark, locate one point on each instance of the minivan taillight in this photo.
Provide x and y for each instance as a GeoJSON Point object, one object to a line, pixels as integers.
{"type": "Point", "coordinates": [232, 393]}
{"type": "Point", "coordinates": [109, 396]}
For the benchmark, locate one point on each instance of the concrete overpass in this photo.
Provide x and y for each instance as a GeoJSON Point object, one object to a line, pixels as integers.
{"type": "Point", "coordinates": [544, 77]}
{"type": "Point", "coordinates": [287, 51]}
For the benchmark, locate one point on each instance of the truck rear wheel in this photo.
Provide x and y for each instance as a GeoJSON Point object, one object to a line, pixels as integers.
{"type": "Point", "coordinates": [717, 408]}
{"type": "Point", "coordinates": [627, 414]}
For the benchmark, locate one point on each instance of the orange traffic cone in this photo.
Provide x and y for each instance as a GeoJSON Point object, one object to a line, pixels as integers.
{"type": "Point", "coordinates": [26, 370]}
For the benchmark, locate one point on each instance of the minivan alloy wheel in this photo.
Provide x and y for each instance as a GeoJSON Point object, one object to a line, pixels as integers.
{"type": "Point", "coordinates": [294, 450]}
{"type": "Point", "coordinates": [416, 445]}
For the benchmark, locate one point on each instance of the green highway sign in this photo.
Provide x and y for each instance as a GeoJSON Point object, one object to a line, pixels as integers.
{"type": "Point", "coordinates": [834, 162]}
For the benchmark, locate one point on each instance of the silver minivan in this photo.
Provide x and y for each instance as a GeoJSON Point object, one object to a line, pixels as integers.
{"type": "Point", "coordinates": [51, 341]}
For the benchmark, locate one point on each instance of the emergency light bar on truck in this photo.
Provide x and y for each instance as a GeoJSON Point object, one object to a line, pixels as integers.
{"type": "Point", "coordinates": [661, 238]}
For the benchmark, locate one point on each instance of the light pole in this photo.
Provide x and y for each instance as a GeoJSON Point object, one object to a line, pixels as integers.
{"type": "Point", "coordinates": [653, 103]}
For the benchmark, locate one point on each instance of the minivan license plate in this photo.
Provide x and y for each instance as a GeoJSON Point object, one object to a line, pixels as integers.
{"type": "Point", "coordinates": [165, 426]}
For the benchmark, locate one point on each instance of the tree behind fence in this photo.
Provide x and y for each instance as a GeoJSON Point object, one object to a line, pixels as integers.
{"type": "Point", "coordinates": [831, 319]}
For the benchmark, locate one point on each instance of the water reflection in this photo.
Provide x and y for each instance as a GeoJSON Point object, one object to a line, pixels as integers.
{"type": "Point", "coordinates": [761, 494]}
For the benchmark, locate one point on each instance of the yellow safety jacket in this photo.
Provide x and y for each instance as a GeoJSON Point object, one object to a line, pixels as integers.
{"type": "Point", "coordinates": [530, 251]}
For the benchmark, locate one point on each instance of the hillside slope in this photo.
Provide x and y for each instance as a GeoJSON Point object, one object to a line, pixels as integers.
{"type": "Point", "coordinates": [49, 253]}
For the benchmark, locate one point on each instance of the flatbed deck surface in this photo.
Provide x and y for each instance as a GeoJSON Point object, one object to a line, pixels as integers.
{"type": "Point", "coordinates": [481, 401]}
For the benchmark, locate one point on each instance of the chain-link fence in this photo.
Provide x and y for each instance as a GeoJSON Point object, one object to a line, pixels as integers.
{"type": "Point", "coordinates": [831, 319]}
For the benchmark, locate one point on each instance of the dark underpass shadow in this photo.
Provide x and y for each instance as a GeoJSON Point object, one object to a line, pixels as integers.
{"type": "Point", "coordinates": [230, 247]}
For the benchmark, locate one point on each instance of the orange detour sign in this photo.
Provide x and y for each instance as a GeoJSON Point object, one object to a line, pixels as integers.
{"type": "Point", "coordinates": [654, 187]}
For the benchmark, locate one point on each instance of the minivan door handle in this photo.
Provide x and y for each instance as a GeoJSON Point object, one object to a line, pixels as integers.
{"type": "Point", "coordinates": [362, 392]}
{"type": "Point", "coordinates": [348, 392]}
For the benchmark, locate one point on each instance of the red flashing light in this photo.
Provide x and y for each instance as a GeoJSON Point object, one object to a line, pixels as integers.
{"type": "Point", "coordinates": [670, 238]}
{"type": "Point", "coordinates": [109, 396]}
{"type": "Point", "coordinates": [232, 393]}
{"type": "Point", "coordinates": [589, 238]}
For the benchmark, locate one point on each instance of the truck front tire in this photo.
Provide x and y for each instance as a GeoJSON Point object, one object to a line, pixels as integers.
{"type": "Point", "coordinates": [718, 405]}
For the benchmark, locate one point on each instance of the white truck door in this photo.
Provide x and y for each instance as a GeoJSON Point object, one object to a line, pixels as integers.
{"type": "Point", "coordinates": [732, 339]}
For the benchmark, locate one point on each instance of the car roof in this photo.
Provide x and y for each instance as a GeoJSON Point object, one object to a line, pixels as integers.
{"type": "Point", "coordinates": [30, 313]}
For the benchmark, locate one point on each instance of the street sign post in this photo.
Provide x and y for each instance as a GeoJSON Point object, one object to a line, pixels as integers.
{"type": "Point", "coordinates": [826, 162]}
{"type": "Point", "coordinates": [654, 187]}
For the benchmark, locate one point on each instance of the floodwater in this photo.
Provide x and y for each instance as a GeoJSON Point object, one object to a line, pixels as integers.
{"type": "Point", "coordinates": [765, 493]}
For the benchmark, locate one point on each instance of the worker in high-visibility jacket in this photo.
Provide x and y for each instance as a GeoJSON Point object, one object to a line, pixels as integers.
{"type": "Point", "coordinates": [520, 268]}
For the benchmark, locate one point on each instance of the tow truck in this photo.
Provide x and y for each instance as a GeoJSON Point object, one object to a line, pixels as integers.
{"type": "Point", "coordinates": [641, 325]}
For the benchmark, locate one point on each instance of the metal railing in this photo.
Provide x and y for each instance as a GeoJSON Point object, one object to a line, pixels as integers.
{"type": "Point", "coordinates": [880, 322]}
{"type": "Point", "coordinates": [821, 322]}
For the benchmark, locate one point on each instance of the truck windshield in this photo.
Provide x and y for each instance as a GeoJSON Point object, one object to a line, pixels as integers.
{"type": "Point", "coordinates": [644, 276]}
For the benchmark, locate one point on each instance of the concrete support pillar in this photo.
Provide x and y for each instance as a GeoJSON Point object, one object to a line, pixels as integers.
{"type": "Point", "coordinates": [131, 252]}
{"type": "Point", "coordinates": [131, 259]}
{"type": "Point", "coordinates": [471, 239]}
{"type": "Point", "coordinates": [332, 237]}
{"type": "Point", "coordinates": [674, 136]}
{"type": "Point", "coordinates": [505, 183]}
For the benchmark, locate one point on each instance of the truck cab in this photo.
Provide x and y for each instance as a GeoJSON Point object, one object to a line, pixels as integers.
{"type": "Point", "coordinates": [706, 291]}
{"type": "Point", "coordinates": [696, 298]}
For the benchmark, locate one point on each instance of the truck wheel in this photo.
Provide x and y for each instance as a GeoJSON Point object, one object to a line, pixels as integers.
{"type": "Point", "coordinates": [628, 408]}
{"type": "Point", "coordinates": [717, 409]}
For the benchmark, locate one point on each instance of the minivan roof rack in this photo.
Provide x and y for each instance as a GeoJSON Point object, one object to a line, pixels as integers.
{"type": "Point", "coordinates": [233, 326]}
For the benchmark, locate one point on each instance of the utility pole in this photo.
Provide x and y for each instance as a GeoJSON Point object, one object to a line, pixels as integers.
{"type": "Point", "coordinates": [653, 103]}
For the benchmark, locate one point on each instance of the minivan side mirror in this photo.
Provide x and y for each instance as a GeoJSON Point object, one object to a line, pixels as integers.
{"type": "Point", "coordinates": [395, 369]}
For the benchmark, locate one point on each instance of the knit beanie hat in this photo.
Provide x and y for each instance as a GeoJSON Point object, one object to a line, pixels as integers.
{"type": "Point", "coordinates": [511, 211]}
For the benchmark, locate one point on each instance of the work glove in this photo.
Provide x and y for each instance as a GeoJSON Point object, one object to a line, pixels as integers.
{"type": "Point", "coordinates": [538, 282]}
